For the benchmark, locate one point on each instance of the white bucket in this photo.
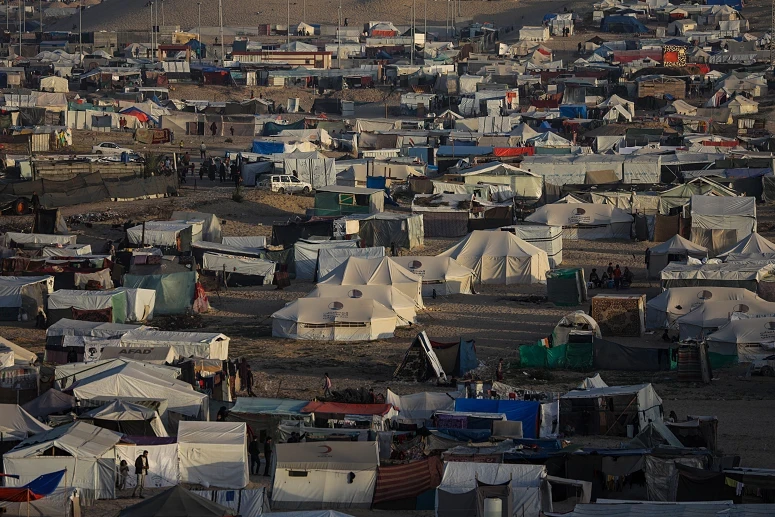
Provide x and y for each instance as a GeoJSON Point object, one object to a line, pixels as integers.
{"type": "Point", "coordinates": [493, 507]}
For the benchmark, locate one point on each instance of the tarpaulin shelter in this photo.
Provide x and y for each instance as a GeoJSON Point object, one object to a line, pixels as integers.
{"type": "Point", "coordinates": [610, 410]}
{"type": "Point", "coordinates": [174, 291]}
{"type": "Point", "coordinates": [418, 408]}
{"type": "Point", "coordinates": [331, 258]}
{"type": "Point", "coordinates": [312, 167]}
{"type": "Point", "coordinates": [465, 486]}
{"type": "Point", "coordinates": [339, 200]}
{"type": "Point", "coordinates": [16, 424]}
{"type": "Point", "coordinates": [112, 306]}
{"type": "Point", "coordinates": [524, 411]}
{"type": "Point", "coordinates": [265, 414]}
{"type": "Point", "coordinates": [440, 275]}
{"type": "Point", "coordinates": [211, 226]}
{"type": "Point", "coordinates": [742, 340]}
{"type": "Point", "coordinates": [577, 321]}
{"type": "Point", "coordinates": [457, 358]}
{"type": "Point", "coordinates": [176, 502]}
{"type": "Point", "coordinates": [711, 315]}
{"type": "Point", "coordinates": [127, 418]}
{"type": "Point", "coordinates": [21, 240]}
{"type": "Point", "coordinates": [720, 222]}
{"type": "Point", "coordinates": [207, 345]}
{"type": "Point", "coordinates": [420, 362]}
{"type": "Point", "coordinates": [623, 24]}
{"type": "Point", "coordinates": [50, 402]}
{"type": "Point", "coordinates": [239, 271]}
{"type": "Point", "coordinates": [377, 271]}
{"type": "Point", "coordinates": [676, 249]}
{"type": "Point", "coordinates": [729, 274]}
{"type": "Point", "coordinates": [500, 258]}
{"type": "Point", "coordinates": [24, 295]}
{"type": "Point", "coordinates": [566, 286]}
{"type": "Point", "coordinates": [377, 416]}
{"type": "Point", "coordinates": [336, 475]}
{"type": "Point", "coordinates": [214, 453]}
{"type": "Point", "coordinates": [334, 319]}
{"type": "Point", "coordinates": [752, 245]}
{"type": "Point", "coordinates": [305, 255]}
{"type": "Point", "coordinates": [86, 451]}
{"type": "Point", "coordinates": [586, 221]}
{"type": "Point", "coordinates": [174, 235]}
{"type": "Point", "coordinates": [387, 295]}
{"type": "Point", "coordinates": [547, 238]}
{"type": "Point", "coordinates": [389, 228]}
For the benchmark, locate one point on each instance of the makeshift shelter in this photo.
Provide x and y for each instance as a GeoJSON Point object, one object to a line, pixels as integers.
{"type": "Point", "coordinates": [730, 274]}
{"type": "Point", "coordinates": [23, 296]}
{"type": "Point", "coordinates": [377, 271]}
{"type": "Point", "coordinates": [127, 418]}
{"type": "Point", "coordinates": [86, 451]}
{"type": "Point", "coordinates": [393, 229]}
{"type": "Point", "coordinates": [324, 475]}
{"type": "Point", "coordinates": [610, 410]}
{"type": "Point", "coordinates": [16, 424]}
{"type": "Point", "coordinates": [207, 345]}
{"type": "Point", "coordinates": [500, 258]}
{"type": "Point", "coordinates": [170, 235]}
{"type": "Point", "coordinates": [420, 407]}
{"type": "Point", "coordinates": [440, 275]}
{"type": "Point", "coordinates": [112, 306]}
{"type": "Point", "coordinates": [586, 221]}
{"type": "Point", "coordinates": [711, 315]}
{"type": "Point", "coordinates": [305, 255]}
{"type": "Point", "coordinates": [376, 417]}
{"type": "Point", "coordinates": [676, 249]}
{"type": "Point", "coordinates": [50, 402]}
{"type": "Point", "coordinates": [466, 487]}
{"type": "Point", "coordinates": [174, 291]}
{"type": "Point", "coordinates": [743, 340]}
{"type": "Point", "coordinates": [265, 414]}
{"type": "Point", "coordinates": [54, 84]}
{"type": "Point", "coordinates": [456, 358]}
{"type": "Point", "coordinates": [214, 453]}
{"type": "Point", "coordinates": [752, 245]}
{"type": "Point", "coordinates": [239, 271]}
{"type": "Point", "coordinates": [574, 323]}
{"type": "Point", "coordinates": [387, 295]}
{"type": "Point", "coordinates": [339, 200]}
{"type": "Point", "coordinates": [36, 240]}
{"type": "Point", "coordinates": [623, 24]}
{"type": "Point", "coordinates": [547, 238]}
{"type": "Point", "coordinates": [524, 411]}
{"type": "Point", "coordinates": [334, 319]}
{"type": "Point", "coordinates": [331, 258]}
{"type": "Point", "coordinates": [21, 356]}
{"type": "Point", "coordinates": [420, 362]}
{"type": "Point", "coordinates": [566, 286]}
{"type": "Point", "coordinates": [67, 333]}
{"type": "Point", "coordinates": [720, 222]}
{"type": "Point", "coordinates": [176, 502]}
{"type": "Point", "coordinates": [211, 226]}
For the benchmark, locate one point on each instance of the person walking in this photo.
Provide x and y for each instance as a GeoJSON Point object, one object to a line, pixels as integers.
{"type": "Point", "coordinates": [203, 151]}
{"type": "Point", "coordinates": [141, 470]}
{"type": "Point", "coordinates": [326, 385]}
{"type": "Point", "coordinates": [255, 455]}
{"type": "Point", "coordinates": [249, 382]}
{"type": "Point", "coordinates": [267, 455]}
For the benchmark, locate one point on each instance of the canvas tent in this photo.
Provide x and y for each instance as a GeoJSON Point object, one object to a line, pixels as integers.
{"type": "Point", "coordinates": [211, 226]}
{"type": "Point", "coordinates": [500, 258]}
{"type": "Point", "coordinates": [334, 319]}
{"type": "Point", "coordinates": [214, 453]}
{"type": "Point", "coordinates": [331, 258]}
{"type": "Point", "coordinates": [420, 407]}
{"type": "Point", "coordinates": [387, 295]}
{"type": "Point", "coordinates": [720, 222]}
{"type": "Point", "coordinates": [744, 340]}
{"type": "Point", "coordinates": [324, 475]}
{"type": "Point", "coordinates": [663, 310]}
{"type": "Point", "coordinates": [86, 451]}
{"type": "Point", "coordinates": [305, 255]}
{"type": "Point", "coordinates": [711, 315]}
{"type": "Point", "coordinates": [729, 274]}
{"type": "Point", "coordinates": [377, 271]}
{"type": "Point", "coordinates": [207, 345]}
{"type": "Point", "coordinates": [547, 238]}
{"type": "Point", "coordinates": [586, 221]}
{"type": "Point", "coordinates": [127, 418]}
{"type": "Point", "coordinates": [752, 245]}
{"type": "Point", "coordinates": [16, 424]}
{"type": "Point", "coordinates": [442, 275]}
{"type": "Point", "coordinates": [420, 362]}
{"type": "Point", "coordinates": [597, 411]}
{"type": "Point", "coordinates": [23, 295]}
{"type": "Point", "coordinates": [676, 249]}
{"type": "Point", "coordinates": [119, 305]}
{"type": "Point", "coordinates": [572, 323]}
{"type": "Point", "coordinates": [21, 356]}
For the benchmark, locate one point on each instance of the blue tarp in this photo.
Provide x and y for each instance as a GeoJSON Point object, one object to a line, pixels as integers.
{"type": "Point", "coordinates": [260, 147]}
{"type": "Point", "coordinates": [267, 406]}
{"type": "Point", "coordinates": [515, 410]}
{"type": "Point", "coordinates": [463, 151]}
{"type": "Point", "coordinates": [626, 24]}
{"type": "Point", "coordinates": [419, 152]}
{"type": "Point", "coordinates": [573, 110]}
{"type": "Point", "coordinates": [737, 5]}
{"type": "Point", "coordinates": [747, 172]}
{"type": "Point", "coordinates": [273, 128]}
{"type": "Point", "coordinates": [46, 484]}
{"type": "Point", "coordinates": [375, 182]}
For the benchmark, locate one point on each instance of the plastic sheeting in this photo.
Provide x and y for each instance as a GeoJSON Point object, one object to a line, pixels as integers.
{"type": "Point", "coordinates": [420, 407]}
{"type": "Point", "coordinates": [306, 255]}
{"type": "Point", "coordinates": [662, 475]}
{"type": "Point", "coordinates": [174, 291]}
{"type": "Point", "coordinates": [213, 453]}
{"type": "Point", "coordinates": [515, 411]}
{"type": "Point", "coordinates": [331, 258]}
{"type": "Point", "coordinates": [163, 468]}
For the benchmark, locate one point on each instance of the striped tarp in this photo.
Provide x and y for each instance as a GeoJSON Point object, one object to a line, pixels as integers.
{"type": "Point", "coordinates": [406, 481]}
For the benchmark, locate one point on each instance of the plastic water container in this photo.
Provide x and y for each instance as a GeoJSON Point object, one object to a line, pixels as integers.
{"type": "Point", "coordinates": [493, 507]}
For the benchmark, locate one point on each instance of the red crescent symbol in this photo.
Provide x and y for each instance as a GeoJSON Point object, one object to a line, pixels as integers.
{"type": "Point", "coordinates": [326, 447]}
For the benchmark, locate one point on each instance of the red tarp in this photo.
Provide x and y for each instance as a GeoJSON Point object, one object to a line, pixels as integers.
{"type": "Point", "coordinates": [514, 151]}
{"type": "Point", "coordinates": [726, 143]}
{"type": "Point", "coordinates": [18, 495]}
{"type": "Point", "coordinates": [406, 481]}
{"type": "Point", "coordinates": [347, 409]}
{"type": "Point", "coordinates": [628, 56]}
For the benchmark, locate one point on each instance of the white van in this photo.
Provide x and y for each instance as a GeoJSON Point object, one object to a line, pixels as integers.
{"type": "Point", "coordinates": [282, 183]}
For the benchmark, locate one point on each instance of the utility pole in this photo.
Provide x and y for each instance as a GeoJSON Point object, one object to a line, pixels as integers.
{"type": "Point", "coordinates": [199, 28]}
{"type": "Point", "coordinates": [40, 7]}
{"type": "Point", "coordinates": [772, 34]}
{"type": "Point", "coordinates": [339, 36]}
{"type": "Point", "coordinates": [162, 12]}
{"type": "Point", "coordinates": [153, 29]}
{"type": "Point", "coordinates": [413, 23]}
{"type": "Point", "coordinates": [156, 33]}
{"type": "Point", "coordinates": [220, 22]}
{"type": "Point", "coordinates": [20, 29]}
{"type": "Point", "coordinates": [288, 35]}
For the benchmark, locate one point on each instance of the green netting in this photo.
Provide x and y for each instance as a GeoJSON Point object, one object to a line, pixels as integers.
{"type": "Point", "coordinates": [721, 360]}
{"type": "Point", "coordinates": [579, 355]}
{"type": "Point", "coordinates": [555, 357]}
{"type": "Point", "coordinates": [532, 356]}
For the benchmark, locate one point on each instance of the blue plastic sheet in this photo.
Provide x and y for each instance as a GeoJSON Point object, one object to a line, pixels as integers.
{"type": "Point", "coordinates": [515, 410]}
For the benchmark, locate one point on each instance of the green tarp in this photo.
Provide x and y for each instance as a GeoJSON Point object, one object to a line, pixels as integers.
{"type": "Point", "coordinates": [174, 291]}
{"type": "Point", "coordinates": [572, 355]}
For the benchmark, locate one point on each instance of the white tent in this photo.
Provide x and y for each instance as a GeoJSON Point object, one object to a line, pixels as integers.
{"type": "Point", "coordinates": [214, 454]}
{"type": "Point", "coordinates": [675, 249]}
{"type": "Point", "coordinates": [727, 274]}
{"type": "Point", "coordinates": [126, 417]}
{"type": "Point", "coordinates": [754, 245]}
{"type": "Point", "coordinates": [165, 233]}
{"type": "Point", "coordinates": [387, 295]}
{"type": "Point", "coordinates": [711, 315]}
{"type": "Point", "coordinates": [500, 258]}
{"type": "Point", "coordinates": [21, 356]}
{"type": "Point", "coordinates": [17, 425]}
{"type": "Point", "coordinates": [208, 345]}
{"type": "Point", "coordinates": [14, 239]}
{"type": "Point", "coordinates": [68, 374]}
{"type": "Point", "coordinates": [720, 222]}
{"type": "Point", "coordinates": [549, 139]}
{"type": "Point", "coordinates": [743, 340]}
{"type": "Point", "coordinates": [648, 404]}
{"type": "Point", "coordinates": [525, 481]}
{"type": "Point", "coordinates": [54, 84]}
{"type": "Point", "coordinates": [663, 310]}
{"type": "Point", "coordinates": [211, 226]}
{"type": "Point", "coordinates": [249, 266]}
{"type": "Point", "coordinates": [360, 271]}
{"type": "Point", "coordinates": [125, 304]}
{"type": "Point", "coordinates": [420, 407]}
{"type": "Point", "coordinates": [585, 220]}
{"type": "Point", "coordinates": [523, 133]}
{"type": "Point", "coordinates": [305, 255]}
{"type": "Point", "coordinates": [547, 238]}
{"type": "Point", "coordinates": [331, 258]}
{"type": "Point", "coordinates": [23, 294]}
{"type": "Point", "coordinates": [86, 451]}
{"type": "Point", "coordinates": [577, 321]}
{"type": "Point", "coordinates": [335, 475]}
{"type": "Point", "coordinates": [334, 319]}
{"type": "Point", "coordinates": [444, 275]}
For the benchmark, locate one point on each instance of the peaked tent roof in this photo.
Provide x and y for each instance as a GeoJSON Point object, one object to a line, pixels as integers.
{"type": "Point", "coordinates": [751, 244]}
{"type": "Point", "coordinates": [677, 244]}
{"type": "Point", "coordinates": [524, 131]}
{"type": "Point", "coordinates": [120, 410]}
{"type": "Point", "coordinates": [21, 355]}
{"type": "Point", "coordinates": [376, 271]}
{"type": "Point", "coordinates": [176, 502]}
{"type": "Point", "coordinates": [17, 424]}
{"type": "Point", "coordinates": [80, 439]}
{"type": "Point", "coordinates": [50, 402]}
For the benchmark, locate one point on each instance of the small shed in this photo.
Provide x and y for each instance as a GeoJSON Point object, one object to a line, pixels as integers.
{"type": "Point", "coordinates": [338, 200]}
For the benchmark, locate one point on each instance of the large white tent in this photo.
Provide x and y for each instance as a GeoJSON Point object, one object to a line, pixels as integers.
{"type": "Point", "coordinates": [86, 451]}
{"type": "Point", "coordinates": [675, 249]}
{"type": "Point", "coordinates": [444, 275]}
{"type": "Point", "coordinates": [170, 234]}
{"type": "Point", "coordinates": [387, 295]}
{"type": "Point", "coordinates": [336, 475]}
{"type": "Point", "coordinates": [754, 245]}
{"type": "Point", "coordinates": [305, 255]}
{"type": "Point", "coordinates": [214, 453]}
{"type": "Point", "coordinates": [418, 408]}
{"type": "Point", "coordinates": [745, 274]}
{"type": "Point", "coordinates": [711, 315]}
{"type": "Point", "coordinates": [586, 221]}
{"type": "Point", "coordinates": [361, 271]}
{"type": "Point", "coordinates": [208, 345]}
{"type": "Point", "coordinates": [334, 319]}
{"type": "Point", "coordinates": [742, 340]}
{"type": "Point", "coordinates": [331, 258]}
{"type": "Point", "coordinates": [500, 258]}
{"type": "Point", "coordinates": [720, 222]}
{"type": "Point", "coordinates": [125, 304]}
{"type": "Point", "coordinates": [664, 309]}
{"type": "Point", "coordinates": [547, 238]}
{"type": "Point", "coordinates": [23, 294]}
{"type": "Point", "coordinates": [126, 417]}
{"type": "Point", "coordinates": [67, 374]}
{"type": "Point", "coordinates": [16, 424]}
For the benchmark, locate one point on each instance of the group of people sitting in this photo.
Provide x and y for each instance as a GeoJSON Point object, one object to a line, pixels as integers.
{"type": "Point", "coordinates": [621, 279]}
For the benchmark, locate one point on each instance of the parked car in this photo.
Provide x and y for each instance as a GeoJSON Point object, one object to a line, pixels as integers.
{"type": "Point", "coordinates": [764, 366]}
{"type": "Point", "coordinates": [109, 148]}
{"type": "Point", "coordinates": [282, 184]}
